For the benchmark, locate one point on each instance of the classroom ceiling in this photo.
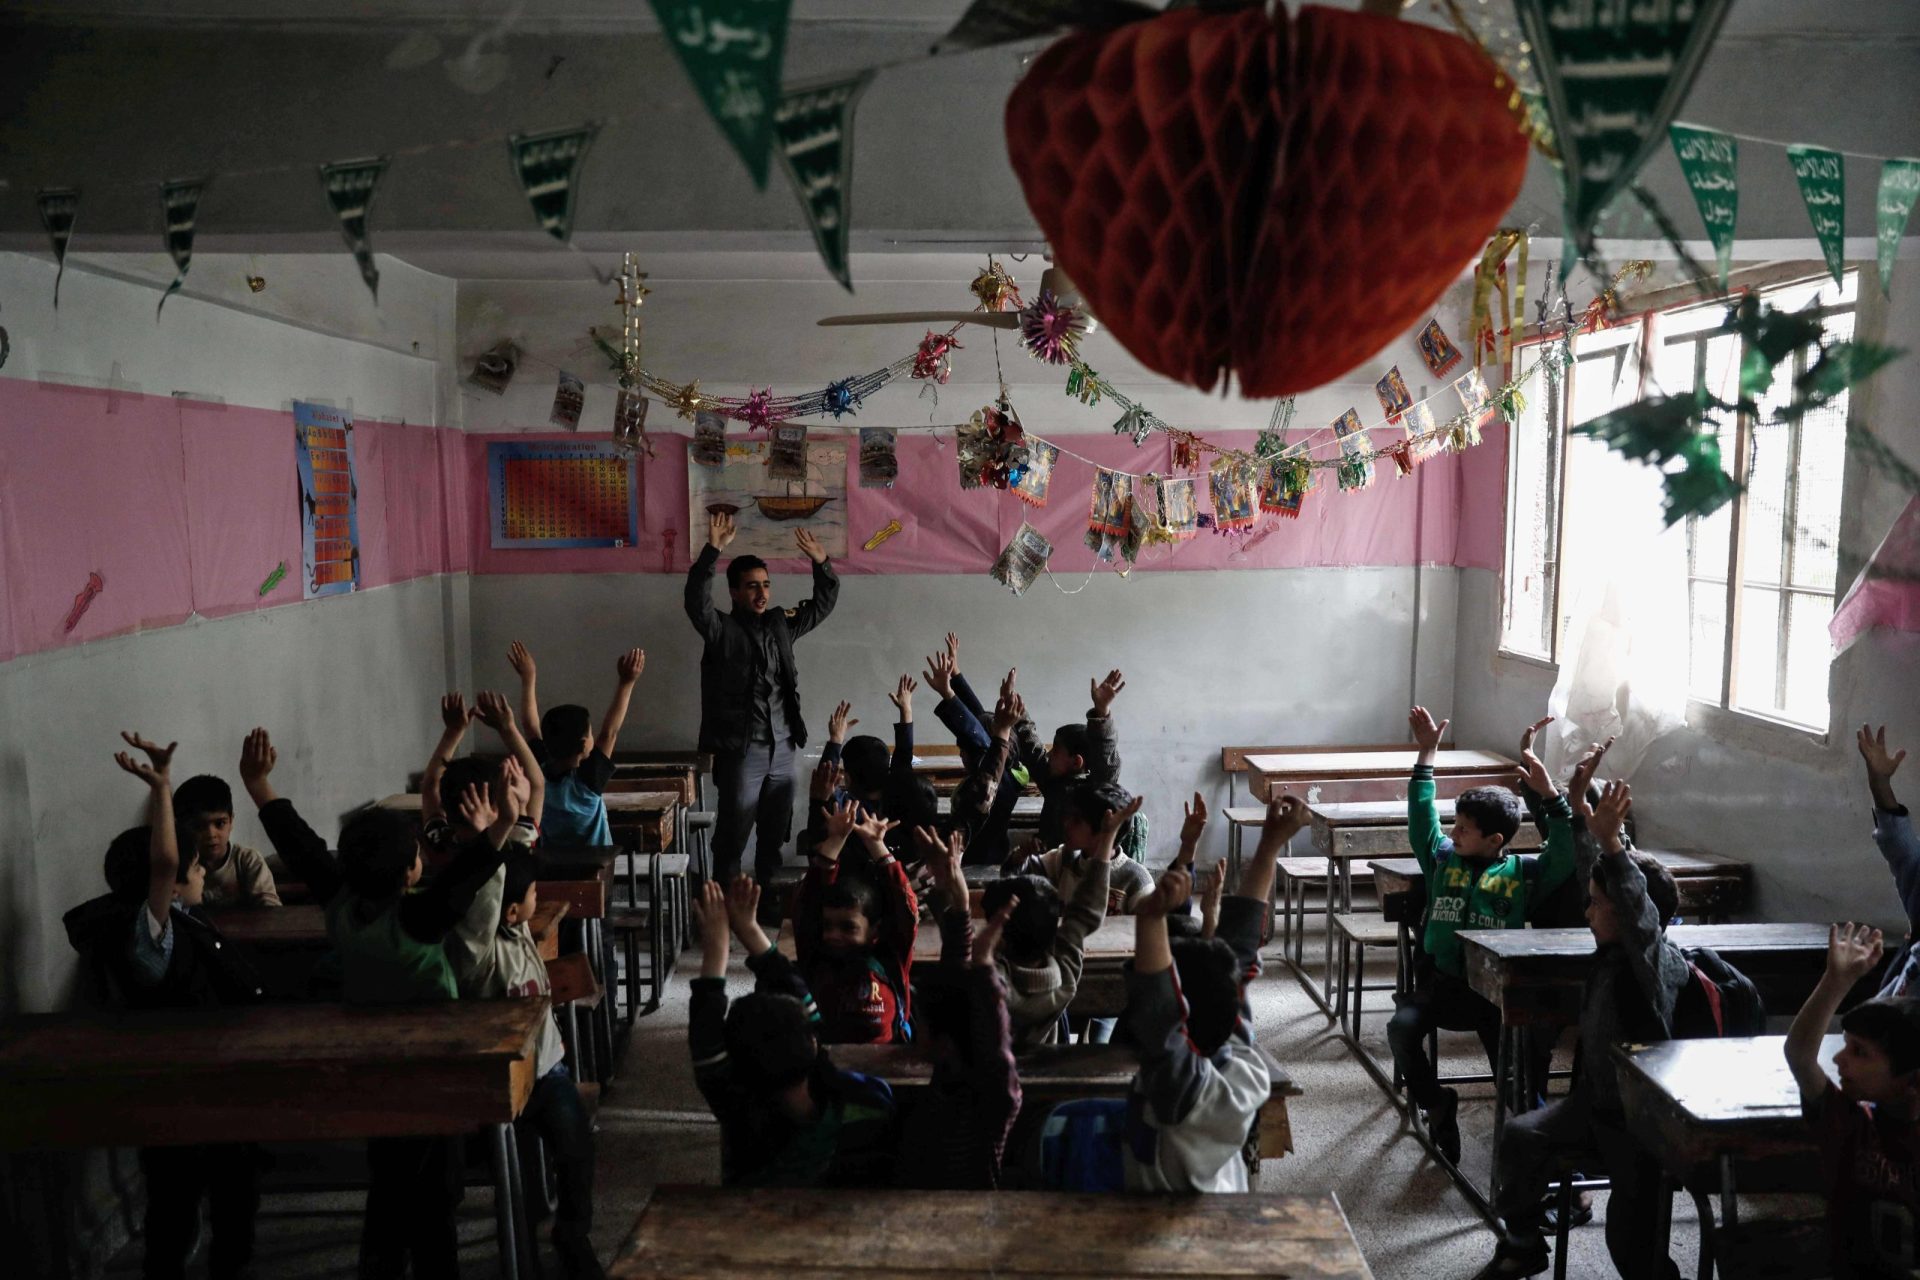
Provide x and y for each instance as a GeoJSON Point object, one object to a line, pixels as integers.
{"type": "Point", "coordinates": [115, 95]}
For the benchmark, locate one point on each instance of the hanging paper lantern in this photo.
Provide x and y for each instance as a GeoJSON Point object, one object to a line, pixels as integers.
{"type": "Point", "coordinates": [1051, 329]}
{"type": "Point", "coordinates": [1299, 191]}
{"type": "Point", "coordinates": [758, 411]}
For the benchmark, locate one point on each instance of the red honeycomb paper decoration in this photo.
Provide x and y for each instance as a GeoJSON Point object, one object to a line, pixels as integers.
{"type": "Point", "coordinates": [1277, 199]}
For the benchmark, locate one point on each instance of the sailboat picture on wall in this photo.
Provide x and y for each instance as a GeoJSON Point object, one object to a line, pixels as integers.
{"type": "Point", "coordinates": [766, 510]}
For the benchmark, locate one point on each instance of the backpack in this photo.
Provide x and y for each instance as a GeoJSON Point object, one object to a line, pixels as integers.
{"type": "Point", "coordinates": [1718, 1000]}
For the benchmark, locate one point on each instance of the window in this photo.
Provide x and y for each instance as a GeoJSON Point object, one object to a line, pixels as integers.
{"type": "Point", "coordinates": [1760, 573]}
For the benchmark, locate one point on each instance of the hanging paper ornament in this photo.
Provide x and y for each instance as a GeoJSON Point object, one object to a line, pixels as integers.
{"type": "Point", "coordinates": [569, 398]}
{"type": "Point", "coordinates": [996, 290]}
{"type": "Point", "coordinates": [1604, 310]}
{"type": "Point", "coordinates": [1083, 383]}
{"type": "Point", "coordinates": [1710, 162]}
{"type": "Point", "coordinates": [1024, 559]}
{"type": "Point", "coordinates": [349, 185]}
{"type": "Point", "coordinates": [842, 398]}
{"type": "Point", "coordinates": [1440, 355]}
{"type": "Point", "coordinates": [1032, 484]}
{"type": "Point", "coordinates": [1109, 514]}
{"type": "Point", "coordinates": [931, 361]}
{"type": "Point", "coordinates": [813, 136]}
{"type": "Point", "coordinates": [1216, 253]}
{"type": "Point", "coordinates": [787, 452]}
{"type": "Point", "coordinates": [58, 210]}
{"type": "Point", "coordinates": [494, 368]}
{"type": "Point", "coordinates": [1133, 423]}
{"type": "Point", "coordinates": [630, 422]}
{"type": "Point", "coordinates": [758, 414]}
{"type": "Point", "coordinates": [1184, 453]}
{"type": "Point", "coordinates": [732, 50]}
{"type": "Point", "coordinates": [687, 401]}
{"type": "Point", "coordinates": [180, 205]}
{"type": "Point", "coordinates": [1822, 175]}
{"type": "Point", "coordinates": [1394, 397]}
{"type": "Point", "coordinates": [992, 448]}
{"type": "Point", "coordinates": [1490, 278]}
{"type": "Point", "coordinates": [1231, 482]}
{"type": "Point", "coordinates": [1356, 470]}
{"type": "Point", "coordinates": [1179, 515]}
{"type": "Point", "coordinates": [1893, 204]}
{"type": "Point", "coordinates": [879, 462]}
{"type": "Point", "coordinates": [1482, 409]}
{"type": "Point", "coordinates": [1401, 451]}
{"type": "Point", "coordinates": [709, 448]}
{"type": "Point", "coordinates": [546, 164]}
{"type": "Point", "coordinates": [1051, 329]}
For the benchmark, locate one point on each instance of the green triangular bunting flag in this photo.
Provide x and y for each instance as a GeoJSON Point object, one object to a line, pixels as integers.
{"type": "Point", "coordinates": [1822, 175]}
{"type": "Point", "coordinates": [349, 185]}
{"type": "Point", "coordinates": [1614, 76]}
{"type": "Point", "coordinates": [180, 203]}
{"type": "Point", "coordinates": [732, 50]}
{"type": "Point", "coordinates": [813, 133]}
{"type": "Point", "coordinates": [1899, 184]}
{"type": "Point", "coordinates": [58, 209]}
{"type": "Point", "coordinates": [546, 164]}
{"type": "Point", "coordinates": [991, 22]}
{"type": "Point", "coordinates": [1710, 160]}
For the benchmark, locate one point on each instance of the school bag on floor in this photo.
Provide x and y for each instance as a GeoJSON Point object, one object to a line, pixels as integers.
{"type": "Point", "coordinates": [1718, 1000]}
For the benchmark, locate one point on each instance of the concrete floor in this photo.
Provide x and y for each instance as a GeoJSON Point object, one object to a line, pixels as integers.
{"type": "Point", "coordinates": [1409, 1218]}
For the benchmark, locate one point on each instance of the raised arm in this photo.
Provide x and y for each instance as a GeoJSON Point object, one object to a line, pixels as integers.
{"type": "Point", "coordinates": [1656, 966]}
{"type": "Point", "coordinates": [707, 1004]}
{"type": "Point", "coordinates": [1852, 951]}
{"type": "Point", "coordinates": [1103, 759]}
{"type": "Point", "coordinates": [973, 800]}
{"type": "Point", "coordinates": [1555, 864]}
{"type": "Point", "coordinates": [1423, 819]}
{"type": "Point", "coordinates": [811, 612]}
{"type": "Point", "coordinates": [628, 670]}
{"type": "Point", "coordinates": [163, 841]}
{"type": "Point", "coordinates": [432, 913]}
{"type": "Point", "coordinates": [699, 595]}
{"type": "Point", "coordinates": [454, 717]}
{"type": "Point", "coordinates": [1285, 816]}
{"type": "Point", "coordinates": [1892, 826]}
{"type": "Point", "coordinates": [493, 711]}
{"type": "Point", "coordinates": [298, 845]}
{"type": "Point", "coordinates": [900, 763]}
{"type": "Point", "coordinates": [521, 659]}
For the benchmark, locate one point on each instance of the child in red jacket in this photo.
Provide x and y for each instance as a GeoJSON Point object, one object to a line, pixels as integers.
{"type": "Point", "coordinates": [854, 921]}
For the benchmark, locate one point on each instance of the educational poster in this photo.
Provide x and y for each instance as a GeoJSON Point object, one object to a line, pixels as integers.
{"type": "Point", "coordinates": [561, 493]}
{"type": "Point", "coordinates": [767, 511]}
{"type": "Point", "coordinates": [329, 522]}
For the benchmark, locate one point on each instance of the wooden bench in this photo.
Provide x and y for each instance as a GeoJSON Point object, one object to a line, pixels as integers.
{"type": "Point", "coordinates": [574, 989]}
{"type": "Point", "coordinates": [644, 934]}
{"type": "Point", "coordinates": [1357, 931]}
{"type": "Point", "coordinates": [1372, 775]}
{"type": "Point", "coordinates": [1233, 760]}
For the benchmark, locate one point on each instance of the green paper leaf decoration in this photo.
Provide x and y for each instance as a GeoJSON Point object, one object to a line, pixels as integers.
{"type": "Point", "coordinates": [733, 50]}
{"type": "Point", "coordinates": [1840, 366]}
{"type": "Point", "coordinates": [1663, 430]}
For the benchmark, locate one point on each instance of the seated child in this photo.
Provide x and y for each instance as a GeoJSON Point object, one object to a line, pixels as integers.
{"type": "Point", "coordinates": [1201, 1080]}
{"type": "Point", "coordinates": [1630, 995]}
{"type": "Point", "coordinates": [1472, 883]}
{"type": "Point", "coordinates": [853, 931]}
{"type": "Point", "coordinates": [577, 765]}
{"type": "Point", "coordinates": [1081, 753]}
{"type": "Point", "coordinates": [961, 711]}
{"type": "Point", "coordinates": [392, 949]}
{"type": "Point", "coordinates": [788, 1117]}
{"type": "Point", "coordinates": [1045, 949]}
{"type": "Point", "coordinates": [236, 875]}
{"type": "Point", "coordinates": [1893, 833]}
{"type": "Point", "coordinates": [1868, 1125]}
{"type": "Point", "coordinates": [145, 948]}
{"type": "Point", "coordinates": [1086, 810]}
{"type": "Point", "coordinates": [955, 1137]}
{"type": "Point", "coordinates": [862, 770]}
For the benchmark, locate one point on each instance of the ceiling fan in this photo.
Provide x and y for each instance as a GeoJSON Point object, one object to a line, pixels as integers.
{"type": "Point", "coordinates": [1053, 280]}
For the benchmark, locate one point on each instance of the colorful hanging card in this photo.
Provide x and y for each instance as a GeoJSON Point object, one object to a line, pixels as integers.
{"type": "Point", "coordinates": [1031, 487]}
{"type": "Point", "coordinates": [970, 445]}
{"type": "Point", "coordinates": [1481, 409]}
{"type": "Point", "coordinates": [1395, 399]}
{"type": "Point", "coordinates": [879, 461]}
{"type": "Point", "coordinates": [1822, 175]}
{"type": "Point", "coordinates": [1179, 513]}
{"type": "Point", "coordinates": [1899, 184]}
{"type": "Point", "coordinates": [58, 209]}
{"type": "Point", "coordinates": [813, 136]}
{"type": "Point", "coordinates": [1110, 513]}
{"type": "Point", "coordinates": [180, 206]}
{"type": "Point", "coordinates": [1710, 162]}
{"type": "Point", "coordinates": [1441, 355]}
{"type": "Point", "coordinates": [1137, 524]}
{"type": "Point", "coordinates": [709, 439]}
{"type": "Point", "coordinates": [787, 453]}
{"type": "Point", "coordinates": [1023, 560]}
{"type": "Point", "coordinates": [630, 421]}
{"type": "Point", "coordinates": [1614, 75]}
{"type": "Point", "coordinates": [569, 398]}
{"type": "Point", "coordinates": [548, 165]}
{"type": "Point", "coordinates": [1356, 470]}
{"type": "Point", "coordinates": [349, 186]}
{"type": "Point", "coordinates": [732, 50]}
{"type": "Point", "coordinates": [1231, 481]}
{"type": "Point", "coordinates": [329, 509]}
{"type": "Point", "coordinates": [493, 369]}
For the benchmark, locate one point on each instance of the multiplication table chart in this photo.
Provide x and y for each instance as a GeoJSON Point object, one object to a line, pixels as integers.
{"type": "Point", "coordinates": [561, 493]}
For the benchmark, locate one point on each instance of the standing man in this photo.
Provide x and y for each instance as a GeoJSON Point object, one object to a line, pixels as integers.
{"type": "Point", "coordinates": [750, 694]}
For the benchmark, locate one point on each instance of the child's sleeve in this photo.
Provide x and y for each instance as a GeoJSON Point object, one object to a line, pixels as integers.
{"type": "Point", "coordinates": [956, 935]}
{"type": "Point", "coordinates": [775, 975]}
{"type": "Point", "coordinates": [1423, 819]}
{"type": "Point", "coordinates": [820, 873]}
{"type": "Point", "coordinates": [304, 852]}
{"type": "Point", "coordinates": [900, 763]}
{"type": "Point", "coordinates": [963, 692]}
{"type": "Point", "coordinates": [1027, 748]}
{"type": "Point", "coordinates": [899, 913]}
{"type": "Point", "coordinates": [472, 945]}
{"type": "Point", "coordinates": [1079, 917]}
{"type": "Point", "coordinates": [973, 799]}
{"type": "Point", "coordinates": [707, 1041]}
{"type": "Point", "coordinates": [1658, 966]}
{"type": "Point", "coordinates": [1239, 927]}
{"type": "Point", "coordinates": [1554, 866]}
{"type": "Point", "coordinates": [996, 1077]}
{"type": "Point", "coordinates": [1893, 834]}
{"type": "Point", "coordinates": [431, 914]}
{"type": "Point", "coordinates": [1172, 1073]}
{"type": "Point", "coordinates": [596, 771]}
{"type": "Point", "coordinates": [1103, 762]}
{"type": "Point", "coordinates": [255, 879]}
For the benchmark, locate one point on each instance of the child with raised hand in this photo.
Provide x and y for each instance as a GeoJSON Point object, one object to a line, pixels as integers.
{"type": "Point", "coordinates": [788, 1117]}
{"type": "Point", "coordinates": [1473, 882]}
{"type": "Point", "coordinates": [1080, 754]}
{"type": "Point", "coordinates": [1085, 815]}
{"type": "Point", "coordinates": [1868, 1125]}
{"type": "Point", "coordinates": [1629, 997]}
{"type": "Point", "coordinates": [1045, 949]}
{"type": "Point", "coordinates": [1202, 1080]}
{"type": "Point", "coordinates": [446, 779]}
{"type": "Point", "coordinates": [853, 931]}
{"type": "Point", "coordinates": [236, 876]}
{"type": "Point", "coordinates": [865, 772]}
{"type": "Point", "coordinates": [1893, 833]}
{"type": "Point", "coordinates": [392, 949]}
{"type": "Point", "coordinates": [145, 948]}
{"type": "Point", "coordinates": [576, 763]}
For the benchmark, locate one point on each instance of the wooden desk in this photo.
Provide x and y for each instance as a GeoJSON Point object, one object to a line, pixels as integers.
{"type": "Point", "coordinates": [1026, 810]}
{"type": "Point", "coordinates": [278, 1073]}
{"type": "Point", "coordinates": [647, 815]}
{"type": "Point", "coordinates": [304, 927]}
{"type": "Point", "coordinates": [1371, 772]}
{"type": "Point", "coordinates": [1710, 886]}
{"type": "Point", "coordinates": [732, 1233]}
{"type": "Point", "coordinates": [1233, 760]}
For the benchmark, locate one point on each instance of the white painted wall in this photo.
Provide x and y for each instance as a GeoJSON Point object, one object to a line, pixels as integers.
{"type": "Point", "coordinates": [1792, 803]}
{"type": "Point", "coordinates": [326, 677]}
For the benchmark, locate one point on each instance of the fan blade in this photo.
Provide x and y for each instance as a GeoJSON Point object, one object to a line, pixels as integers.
{"type": "Point", "coordinates": [992, 319]}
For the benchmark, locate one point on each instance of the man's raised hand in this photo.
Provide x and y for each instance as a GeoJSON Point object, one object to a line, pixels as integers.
{"type": "Point", "coordinates": [810, 545]}
{"type": "Point", "coordinates": [720, 529]}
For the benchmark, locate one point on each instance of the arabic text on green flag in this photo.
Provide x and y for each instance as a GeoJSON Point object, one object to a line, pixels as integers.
{"type": "Point", "coordinates": [1710, 161]}
{"type": "Point", "coordinates": [813, 130]}
{"type": "Point", "coordinates": [732, 51]}
{"type": "Point", "coordinates": [548, 165]}
{"type": "Point", "coordinates": [1899, 184]}
{"type": "Point", "coordinates": [1822, 175]}
{"type": "Point", "coordinates": [349, 185]}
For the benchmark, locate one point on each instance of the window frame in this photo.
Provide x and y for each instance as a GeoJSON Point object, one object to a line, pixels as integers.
{"type": "Point", "coordinates": [1721, 713]}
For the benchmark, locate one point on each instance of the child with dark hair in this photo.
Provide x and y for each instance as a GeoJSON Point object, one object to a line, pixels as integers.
{"type": "Point", "coordinates": [391, 945]}
{"type": "Point", "coordinates": [788, 1117]}
{"type": "Point", "coordinates": [446, 779]}
{"type": "Point", "coordinates": [144, 947]}
{"type": "Point", "coordinates": [1868, 1125]}
{"type": "Point", "coordinates": [1080, 754]}
{"type": "Point", "coordinates": [1045, 948]}
{"type": "Point", "coordinates": [1201, 1079]}
{"type": "Point", "coordinates": [236, 875]}
{"type": "Point", "coordinates": [1630, 995]}
{"type": "Point", "coordinates": [861, 770]}
{"type": "Point", "coordinates": [956, 1136]}
{"type": "Point", "coordinates": [1893, 833]}
{"type": "Point", "coordinates": [1085, 813]}
{"type": "Point", "coordinates": [576, 764]}
{"type": "Point", "coordinates": [977, 734]}
{"type": "Point", "coordinates": [1472, 883]}
{"type": "Point", "coordinates": [853, 931]}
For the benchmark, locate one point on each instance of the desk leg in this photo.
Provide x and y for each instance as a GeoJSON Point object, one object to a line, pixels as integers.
{"type": "Point", "coordinates": [1502, 1067]}
{"type": "Point", "coordinates": [1333, 907]}
{"type": "Point", "coordinates": [1729, 1201]}
{"type": "Point", "coordinates": [509, 1210]}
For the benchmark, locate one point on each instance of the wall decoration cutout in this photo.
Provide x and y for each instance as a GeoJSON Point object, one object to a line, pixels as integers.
{"type": "Point", "coordinates": [767, 511]}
